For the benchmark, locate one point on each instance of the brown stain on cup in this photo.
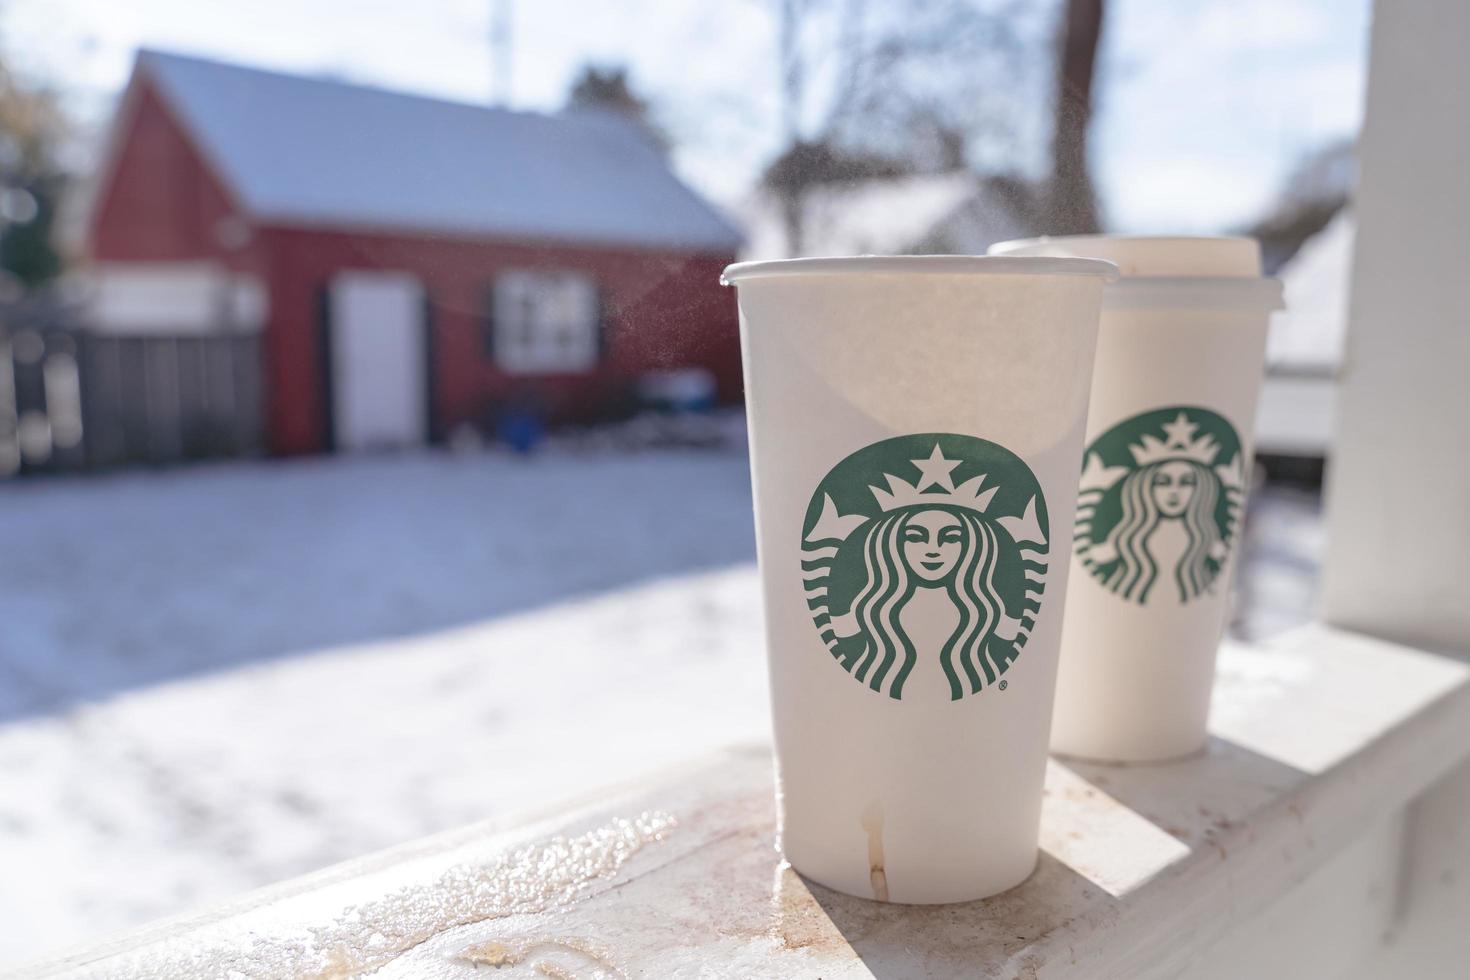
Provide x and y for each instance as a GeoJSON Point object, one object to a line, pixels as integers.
{"type": "Point", "coordinates": [872, 822]}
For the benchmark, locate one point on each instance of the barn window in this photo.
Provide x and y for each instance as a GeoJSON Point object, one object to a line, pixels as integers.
{"type": "Point", "coordinates": [544, 322]}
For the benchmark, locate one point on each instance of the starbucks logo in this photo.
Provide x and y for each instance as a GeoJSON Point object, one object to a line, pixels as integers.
{"type": "Point", "coordinates": [924, 560]}
{"type": "Point", "coordinates": [1159, 503]}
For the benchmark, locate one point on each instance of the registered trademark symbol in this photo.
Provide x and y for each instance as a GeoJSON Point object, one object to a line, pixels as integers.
{"type": "Point", "coordinates": [1002, 685]}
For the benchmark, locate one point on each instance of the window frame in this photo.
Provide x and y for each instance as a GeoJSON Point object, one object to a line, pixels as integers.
{"type": "Point", "coordinates": [521, 327]}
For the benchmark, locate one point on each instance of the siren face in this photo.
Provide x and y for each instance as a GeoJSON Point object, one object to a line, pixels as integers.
{"type": "Point", "coordinates": [931, 544]}
{"type": "Point", "coordinates": [1173, 488]}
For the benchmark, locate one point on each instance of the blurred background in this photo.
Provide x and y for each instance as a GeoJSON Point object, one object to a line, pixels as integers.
{"type": "Point", "coordinates": [371, 457]}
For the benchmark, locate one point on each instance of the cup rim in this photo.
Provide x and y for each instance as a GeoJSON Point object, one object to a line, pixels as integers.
{"type": "Point", "coordinates": [1010, 245]}
{"type": "Point", "coordinates": [952, 265]}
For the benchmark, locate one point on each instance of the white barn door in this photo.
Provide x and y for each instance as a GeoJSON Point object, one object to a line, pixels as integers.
{"type": "Point", "coordinates": [378, 361]}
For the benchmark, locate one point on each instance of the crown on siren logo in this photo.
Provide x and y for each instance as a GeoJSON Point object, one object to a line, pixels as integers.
{"type": "Point", "coordinates": [1179, 442]}
{"type": "Point", "coordinates": [937, 472]}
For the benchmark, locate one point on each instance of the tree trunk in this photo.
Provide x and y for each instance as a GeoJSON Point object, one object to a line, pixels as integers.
{"type": "Point", "coordinates": [791, 221]}
{"type": "Point", "coordinates": [1072, 205]}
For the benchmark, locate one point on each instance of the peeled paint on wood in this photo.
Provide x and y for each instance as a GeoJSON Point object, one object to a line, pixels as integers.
{"type": "Point", "coordinates": [1318, 740]}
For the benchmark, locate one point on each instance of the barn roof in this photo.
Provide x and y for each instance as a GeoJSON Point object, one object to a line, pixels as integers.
{"type": "Point", "coordinates": [326, 153]}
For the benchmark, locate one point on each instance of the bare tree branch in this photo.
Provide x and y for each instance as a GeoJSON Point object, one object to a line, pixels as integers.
{"type": "Point", "coordinates": [909, 86]}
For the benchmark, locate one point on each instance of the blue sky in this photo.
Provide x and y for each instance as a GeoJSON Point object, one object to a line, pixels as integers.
{"type": "Point", "coordinates": [1207, 103]}
{"type": "Point", "coordinates": [1204, 105]}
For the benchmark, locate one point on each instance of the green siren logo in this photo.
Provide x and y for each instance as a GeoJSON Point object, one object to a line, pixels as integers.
{"type": "Point", "coordinates": [1159, 503]}
{"type": "Point", "coordinates": [924, 559]}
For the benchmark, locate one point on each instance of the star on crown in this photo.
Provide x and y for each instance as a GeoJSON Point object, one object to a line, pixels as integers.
{"type": "Point", "coordinates": [1179, 442]}
{"type": "Point", "coordinates": [936, 471]}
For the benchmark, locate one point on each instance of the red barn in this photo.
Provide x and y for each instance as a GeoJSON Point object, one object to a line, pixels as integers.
{"type": "Point", "coordinates": [413, 263]}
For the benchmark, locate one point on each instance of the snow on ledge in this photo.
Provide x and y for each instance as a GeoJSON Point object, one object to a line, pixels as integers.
{"type": "Point", "coordinates": [1320, 741]}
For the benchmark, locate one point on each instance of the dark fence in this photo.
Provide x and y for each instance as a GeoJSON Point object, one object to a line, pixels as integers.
{"type": "Point", "coordinates": [72, 399]}
{"type": "Point", "coordinates": [166, 399]}
{"type": "Point", "coordinates": [40, 401]}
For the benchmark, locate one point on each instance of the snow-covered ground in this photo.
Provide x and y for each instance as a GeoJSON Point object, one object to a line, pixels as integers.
{"type": "Point", "coordinates": [216, 678]}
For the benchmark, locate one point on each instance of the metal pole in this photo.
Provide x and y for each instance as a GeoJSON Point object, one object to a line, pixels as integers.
{"type": "Point", "coordinates": [501, 12]}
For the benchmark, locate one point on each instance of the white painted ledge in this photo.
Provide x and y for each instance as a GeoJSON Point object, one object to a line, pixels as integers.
{"type": "Point", "coordinates": [1276, 853]}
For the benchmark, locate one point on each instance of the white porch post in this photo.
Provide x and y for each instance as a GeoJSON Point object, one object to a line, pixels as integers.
{"type": "Point", "coordinates": [1399, 488]}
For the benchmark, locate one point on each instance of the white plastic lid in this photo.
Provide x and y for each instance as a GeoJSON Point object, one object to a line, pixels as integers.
{"type": "Point", "coordinates": [922, 265]}
{"type": "Point", "coordinates": [1167, 271]}
{"type": "Point", "coordinates": [1150, 255]}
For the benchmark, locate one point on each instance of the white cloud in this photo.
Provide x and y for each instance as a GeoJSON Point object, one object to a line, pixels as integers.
{"type": "Point", "coordinates": [1239, 25]}
{"type": "Point", "coordinates": [1331, 95]}
{"type": "Point", "coordinates": [1186, 195]}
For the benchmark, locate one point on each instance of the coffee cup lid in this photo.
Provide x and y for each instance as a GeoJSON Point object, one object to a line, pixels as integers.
{"type": "Point", "coordinates": [1169, 271]}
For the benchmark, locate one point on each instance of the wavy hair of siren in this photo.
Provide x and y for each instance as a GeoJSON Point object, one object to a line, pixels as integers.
{"type": "Point", "coordinates": [1136, 571]}
{"type": "Point", "coordinates": [887, 654]}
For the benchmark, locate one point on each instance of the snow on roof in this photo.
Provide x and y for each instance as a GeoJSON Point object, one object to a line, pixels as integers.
{"type": "Point", "coordinates": [885, 216]}
{"type": "Point", "coordinates": [313, 151]}
{"type": "Point", "coordinates": [1309, 335]}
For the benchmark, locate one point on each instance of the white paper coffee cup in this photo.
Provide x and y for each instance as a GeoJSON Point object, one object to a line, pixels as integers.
{"type": "Point", "coordinates": [915, 426]}
{"type": "Point", "coordinates": [1164, 478]}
